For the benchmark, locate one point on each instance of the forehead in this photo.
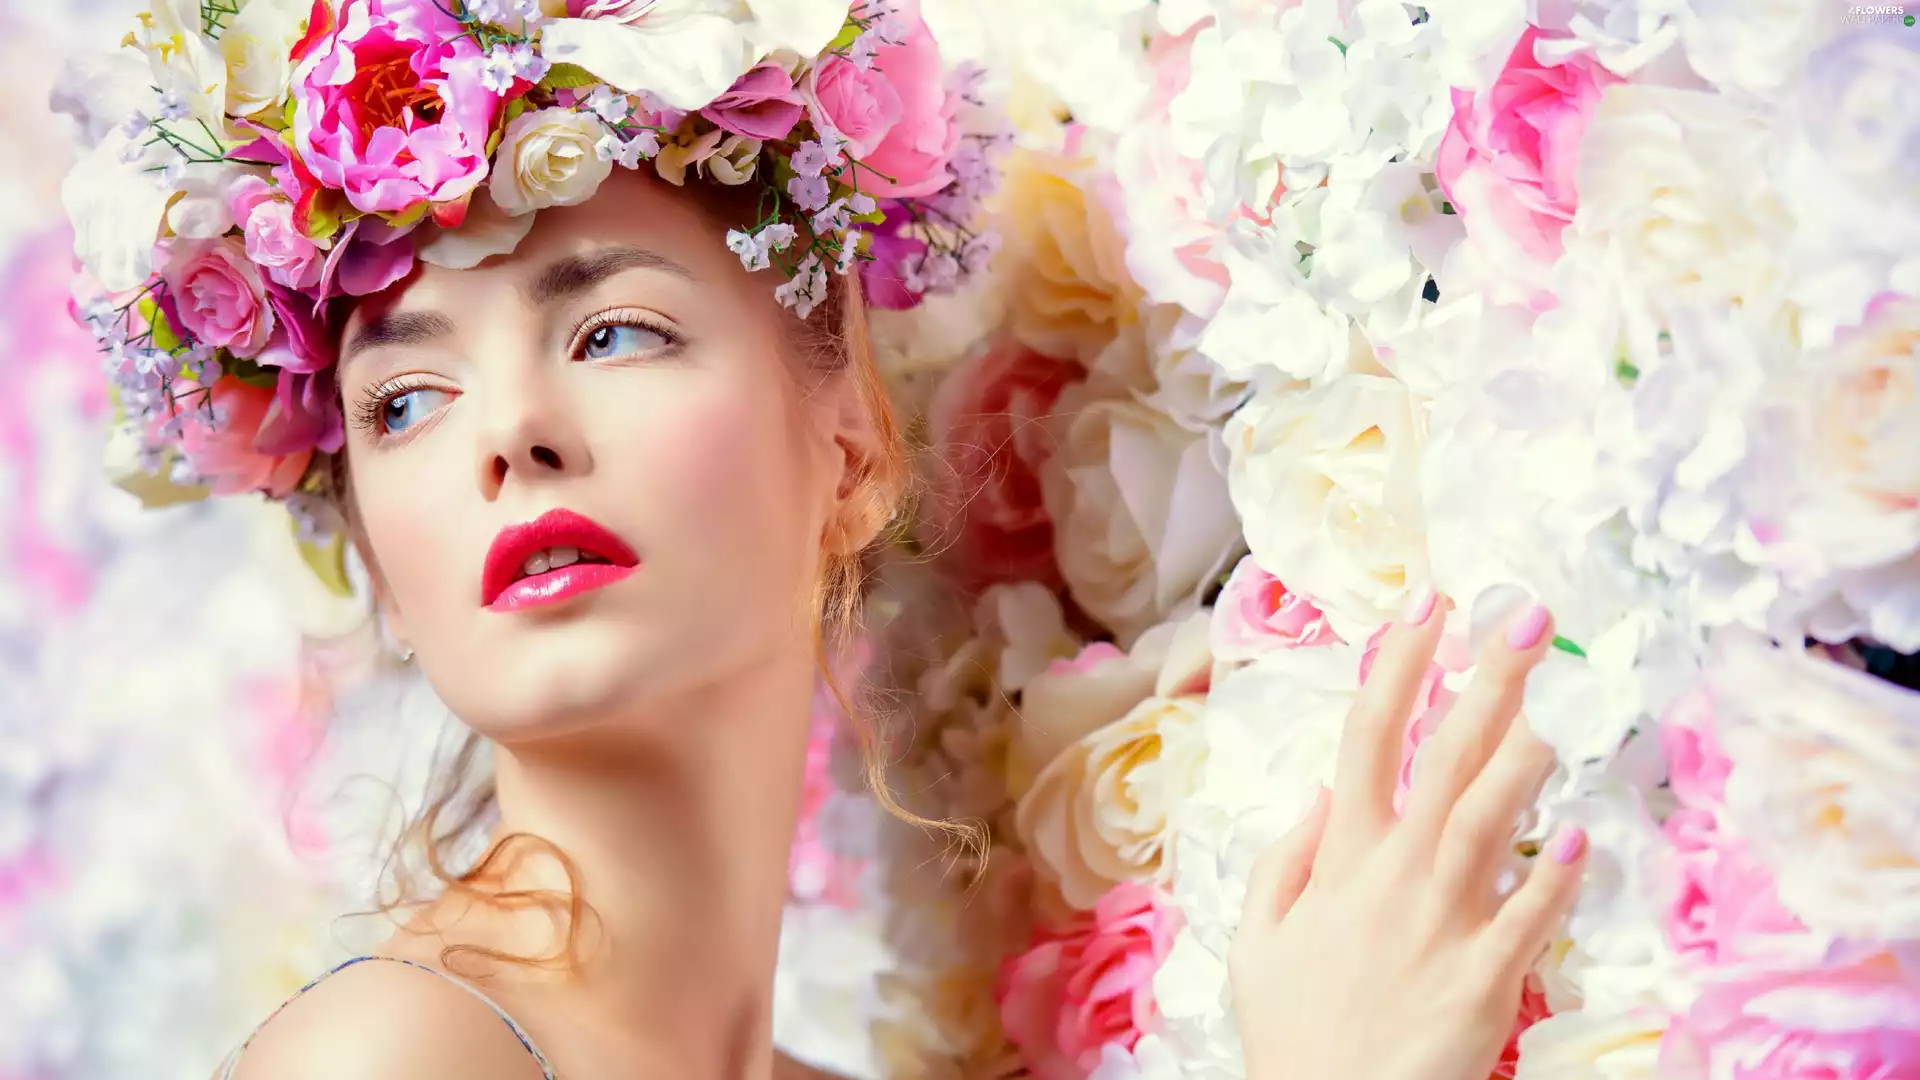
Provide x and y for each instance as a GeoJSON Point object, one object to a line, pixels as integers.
{"type": "Point", "coordinates": [634, 222]}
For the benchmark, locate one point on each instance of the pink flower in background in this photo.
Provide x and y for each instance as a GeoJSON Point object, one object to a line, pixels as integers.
{"type": "Point", "coordinates": [1725, 906]}
{"type": "Point", "coordinates": [1860, 1021]}
{"type": "Point", "coordinates": [226, 454]}
{"type": "Point", "coordinates": [389, 108]}
{"type": "Point", "coordinates": [859, 105]}
{"type": "Point", "coordinates": [1088, 983]}
{"type": "Point", "coordinates": [1091, 656]}
{"type": "Point", "coordinates": [217, 294]}
{"type": "Point", "coordinates": [1533, 1009]}
{"type": "Point", "coordinates": [1508, 159]}
{"type": "Point", "coordinates": [815, 872]}
{"type": "Point", "coordinates": [1255, 614]}
{"type": "Point", "coordinates": [987, 421]}
{"type": "Point", "coordinates": [762, 104]}
{"type": "Point", "coordinates": [914, 157]}
{"type": "Point", "coordinates": [884, 276]}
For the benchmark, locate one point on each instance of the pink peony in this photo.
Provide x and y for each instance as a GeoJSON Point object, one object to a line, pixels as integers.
{"type": "Point", "coordinates": [390, 110]}
{"type": "Point", "coordinates": [225, 452]}
{"type": "Point", "coordinates": [1507, 160]}
{"type": "Point", "coordinates": [859, 105]}
{"type": "Point", "coordinates": [273, 240]}
{"type": "Point", "coordinates": [1725, 908]}
{"type": "Point", "coordinates": [884, 276]}
{"type": "Point", "coordinates": [914, 157]}
{"type": "Point", "coordinates": [1255, 614]}
{"type": "Point", "coordinates": [1087, 984]}
{"type": "Point", "coordinates": [762, 104]}
{"type": "Point", "coordinates": [217, 295]}
{"type": "Point", "coordinates": [1696, 767]}
{"type": "Point", "coordinates": [987, 423]}
{"type": "Point", "coordinates": [1860, 1021]}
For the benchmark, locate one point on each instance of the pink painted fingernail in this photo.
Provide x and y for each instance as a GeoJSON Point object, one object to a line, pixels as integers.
{"type": "Point", "coordinates": [1419, 606]}
{"type": "Point", "coordinates": [1526, 630]}
{"type": "Point", "coordinates": [1568, 846]}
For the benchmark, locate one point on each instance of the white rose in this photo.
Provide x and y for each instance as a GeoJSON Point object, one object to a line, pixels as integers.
{"type": "Point", "coordinates": [1856, 519]}
{"type": "Point", "coordinates": [1824, 760]}
{"type": "Point", "coordinates": [546, 158]}
{"type": "Point", "coordinates": [1070, 290]}
{"type": "Point", "coordinates": [1098, 814]}
{"type": "Point", "coordinates": [1142, 522]}
{"type": "Point", "coordinates": [1677, 203]}
{"type": "Point", "coordinates": [258, 46]}
{"type": "Point", "coordinates": [1327, 482]}
{"type": "Point", "coordinates": [1580, 1045]}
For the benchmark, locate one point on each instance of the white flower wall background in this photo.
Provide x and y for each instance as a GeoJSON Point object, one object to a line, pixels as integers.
{"type": "Point", "coordinates": [1612, 302]}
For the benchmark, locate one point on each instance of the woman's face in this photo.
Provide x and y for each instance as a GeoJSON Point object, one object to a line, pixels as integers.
{"type": "Point", "coordinates": [619, 391]}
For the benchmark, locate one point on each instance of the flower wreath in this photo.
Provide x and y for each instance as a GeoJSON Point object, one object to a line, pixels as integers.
{"type": "Point", "coordinates": [253, 162]}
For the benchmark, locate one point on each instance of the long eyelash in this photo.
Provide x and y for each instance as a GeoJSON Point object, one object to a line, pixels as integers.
{"type": "Point", "coordinates": [367, 415]}
{"type": "Point", "coordinates": [626, 317]}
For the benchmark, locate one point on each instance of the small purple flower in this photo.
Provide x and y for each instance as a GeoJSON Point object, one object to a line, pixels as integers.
{"type": "Point", "coordinates": [809, 193]}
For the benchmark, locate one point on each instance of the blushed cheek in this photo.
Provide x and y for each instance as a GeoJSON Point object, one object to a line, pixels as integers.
{"type": "Point", "coordinates": [731, 463]}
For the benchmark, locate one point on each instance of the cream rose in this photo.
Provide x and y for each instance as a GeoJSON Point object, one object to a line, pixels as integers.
{"type": "Point", "coordinates": [547, 158]}
{"type": "Point", "coordinates": [1580, 1045]}
{"type": "Point", "coordinates": [258, 46]}
{"type": "Point", "coordinates": [1142, 523]}
{"type": "Point", "coordinates": [1822, 784]}
{"type": "Point", "coordinates": [1858, 507]}
{"type": "Point", "coordinates": [1071, 293]}
{"type": "Point", "coordinates": [1327, 482]}
{"type": "Point", "coordinates": [1099, 813]}
{"type": "Point", "coordinates": [1676, 200]}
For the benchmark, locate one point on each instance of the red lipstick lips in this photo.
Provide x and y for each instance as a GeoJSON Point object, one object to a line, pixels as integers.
{"type": "Point", "coordinates": [556, 557]}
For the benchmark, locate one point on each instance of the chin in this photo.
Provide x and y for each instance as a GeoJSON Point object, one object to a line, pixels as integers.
{"type": "Point", "coordinates": [559, 679]}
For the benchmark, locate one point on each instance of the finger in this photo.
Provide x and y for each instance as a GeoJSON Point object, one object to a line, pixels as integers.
{"type": "Point", "coordinates": [1527, 921]}
{"type": "Point", "coordinates": [1280, 874]}
{"type": "Point", "coordinates": [1479, 833]}
{"type": "Point", "coordinates": [1370, 745]}
{"type": "Point", "coordinates": [1450, 760]}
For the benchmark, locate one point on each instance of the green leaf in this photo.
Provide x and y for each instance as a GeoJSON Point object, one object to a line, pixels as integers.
{"type": "Point", "coordinates": [847, 33]}
{"type": "Point", "coordinates": [1338, 44]}
{"type": "Point", "coordinates": [1626, 372]}
{"type": "Point", "coordinates": [164, 337]}
{"type": "Point", "coordinates": [1568, 647]}
{"type": "Point", "coordinates": [568, 77]}
{"type": "Point", "coordinates": [328, 561]}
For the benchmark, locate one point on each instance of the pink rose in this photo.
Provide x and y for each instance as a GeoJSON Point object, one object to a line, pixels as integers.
{"type": "Point", "coordinates": [913, 158]}
{"type": "Point", "coordinates": [217, 294]}
{"type": "Point", "coordinates": [1255, 614]}
{"type": "Point", "coordinates": [1508, 158]}
{"type": "Point", "coordinates": [225, 452]}
{"type": "Point", "coordinates": [1087, 984]}
{"type": "Point", "coordinates": [986, 423]}
{"type": "Point", "coordinates": [273, 240]}
{"type": "Point", "coordinates": [1860, 1021]}
{"type": "Point", "coordinates": [859, 105]}
{"type": "Point", "coordinates": [762, 104]}
{"type": "Point", "coordinates": [884, 276]}
{"type": "Point", "coordinates": [389, 109]}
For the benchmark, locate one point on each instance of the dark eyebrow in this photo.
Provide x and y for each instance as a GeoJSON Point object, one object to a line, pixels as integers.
{"type": "Point", "coordinates": [576, 274]}
{"type": "Point", "coordinates": [398, 328]}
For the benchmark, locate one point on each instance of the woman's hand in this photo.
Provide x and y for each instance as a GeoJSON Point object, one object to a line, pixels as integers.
{"type": "Point", "coordinates": [1377, 949]}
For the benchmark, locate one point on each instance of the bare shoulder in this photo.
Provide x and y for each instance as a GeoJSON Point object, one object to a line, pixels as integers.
{"type": "Point", "coordinates": [386, 1021]}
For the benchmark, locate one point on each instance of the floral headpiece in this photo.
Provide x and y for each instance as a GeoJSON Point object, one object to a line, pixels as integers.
{"type": "Point", "coordinates": [254, 161]}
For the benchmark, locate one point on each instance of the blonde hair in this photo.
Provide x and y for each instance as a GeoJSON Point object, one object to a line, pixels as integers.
{"type": "Point", "coordinates": [834, 342]}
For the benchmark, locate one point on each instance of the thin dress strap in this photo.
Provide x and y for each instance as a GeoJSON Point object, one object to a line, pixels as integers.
{"type": "Point", "coordinates": [546, 1070]}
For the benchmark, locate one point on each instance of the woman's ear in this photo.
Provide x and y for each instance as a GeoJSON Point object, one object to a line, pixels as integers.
{"type": "Point", "coordinates": [866, 489]}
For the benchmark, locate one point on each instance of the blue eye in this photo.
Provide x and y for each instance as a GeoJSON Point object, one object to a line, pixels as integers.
{"type": "Point", "coordinates": [403, 410]}
{"type": "Point", "coordinates": [620, 339]}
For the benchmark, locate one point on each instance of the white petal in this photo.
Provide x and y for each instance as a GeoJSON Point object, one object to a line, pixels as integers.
{"type": "Point", "coordinates": [686, 54]}
{"type": "Point", "coordinates": [486, 232]}
{"type": "Point", "coordinates": [803, 26]}
{"type": "Point", "coordinates": [115, 208]}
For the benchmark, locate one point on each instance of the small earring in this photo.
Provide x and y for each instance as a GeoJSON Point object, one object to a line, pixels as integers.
{"type": "Point", "coordinates": [406, 655]}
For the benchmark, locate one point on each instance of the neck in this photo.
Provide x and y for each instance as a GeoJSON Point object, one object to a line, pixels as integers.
{"type": "Point", "coordinates": [679, 823]}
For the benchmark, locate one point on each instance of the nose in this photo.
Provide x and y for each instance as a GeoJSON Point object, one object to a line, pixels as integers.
{"type": "Point", "coordinates": [529, 434]}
